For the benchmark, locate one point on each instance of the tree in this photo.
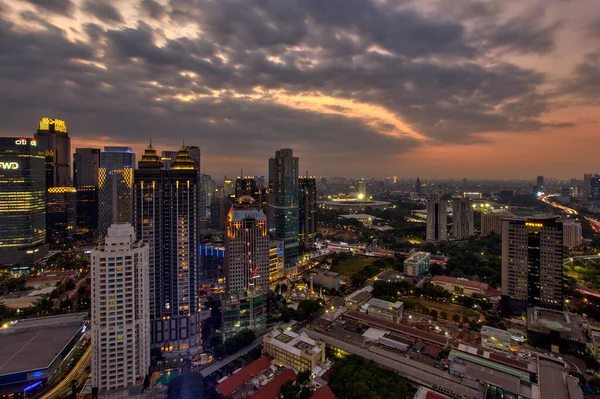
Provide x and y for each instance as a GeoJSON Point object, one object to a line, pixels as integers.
{"type": "Point", "coordinates": [455, 318]}
{"type": "Point", "coordinates": [358, 279]}
{"type": "Point", "coordinates": [304, 376]}
{"type": "Point", "coordinates": [444, 315]}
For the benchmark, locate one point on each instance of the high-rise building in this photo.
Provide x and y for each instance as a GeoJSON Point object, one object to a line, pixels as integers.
{"type": "Point", "coordinates": [540, 182]}
{"type": "Point", "coordinates": [87, 212]}
{"type": "Point", "coordinates": [587, 182]}
{"type": "Point", "coordinates": [228, 187]}
{"type": "Point", "coordinates": [307, 211]}
{"type": "Point", "coordinates": [61, 216]}
{"type": "Point", "coordinates": [246, 185]}
{"type": "Point", "coordinates": [362, 189]}
{"type": "Point", "coordinates": [167, 158]}
{"type": "Point", "coordinates": [22, 201]}
{"type": "Point", "coordinates": [166, 217]}
{"type": "Point", "coordinates": [418, 187]}
{"type": "Point", "coordinates": [120, 310]}
{"type": "Point", "coordinates": [246, 266]}
{"type": "Point", "coordinates": [115, 187]}
{"type": "Point", "coordinates": [595, 188]}
{"type": "Point", "coordinates": [571, 234]}
{"type": "Point", "coordinates": [283, 203]}
{"type": "Point", "coordinates": [491, 222]}
{"type": "Point", "coordinates": [437, 221]}
{"type": "Point", "coordinates": [275, 261]}
{"type": "Point", "coordinates": [462, 225]}
{"type": "Point", "coordinates": [212, 265]}
{"type": "Point", "coordinates": [532, 264]}
{"type": "Point", "coordinates": [260, 182]}
{"type": "Point", "coordinates": [53, 139]}
{"type": "Point", "coordinates": [86, 162]}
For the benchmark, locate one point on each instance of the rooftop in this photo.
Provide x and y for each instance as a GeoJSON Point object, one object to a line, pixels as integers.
{"type": "Point", "coordinates": [554, 383]}
{"type": "Point", "coordinates": [34, 344]}
{"type": "Point", "coordinates": [292, 342]}
{"type": "Point", "coordinates": [323, 393]}
{"type": "Point", "coordinates": [417, 257]}
{"type": "Point", "coordinates": [235, 381]}
{"type": "Point", "coordinates": [360, 295]}
{"type": "Point", "coordinates": [461, 281]}
{"type": "Point", "coordinates": [272, 389]}
{"type": "Point", "coordinates": [385, 304]}
{"type": "Point", "coordinates": [496, 332]}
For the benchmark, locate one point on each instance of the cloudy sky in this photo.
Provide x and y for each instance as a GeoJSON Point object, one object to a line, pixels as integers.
{"type": "Point", "coordinates": [435, 88]}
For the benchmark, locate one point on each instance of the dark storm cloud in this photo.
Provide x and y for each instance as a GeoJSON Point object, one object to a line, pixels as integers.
{"type": "Point", "coordinates": [593, 28]}
{"type": "Point", "coordinates": [62, 7]}
{"type": "Point", "coordinates": [102, 10]}
{"type": "Point", "coordinates": [586, 79]}
{"type": "Point", "coordinates": [152, 9]}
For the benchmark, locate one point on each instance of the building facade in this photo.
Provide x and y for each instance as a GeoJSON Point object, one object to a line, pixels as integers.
{"type": "Point", "coordinates": [437, 221]}
{"type": "Point", "coordinates": [120, 310]}
{"type": "Point", "coordinates": [462, 224]}
{"type": "Point", "coordinates": [532, 268]}
{"type": "Point", "coordinates": [61, 216]}
{"type": "Point", "coordinates": [571, 234]}
{"type": "Point", "coordinates": [115, 187]}
{"type": "Point", "coordinates": [22, 201]}
{"type": "Point", "coordinates": [325, 278]}
{"type": "Point", "coordinates": [283, 203]}
{"type": "Point", "coordinates": [495, 339]}
{"type": "Point", "coordinates": [86, 162]}
{"type": "Point", "coordinates": [53, 139]}
{"type": "Point", "coordinates": [460, 286]}
{"type": "Point", "coordinates": [362, 188]}
{"type": "Point", "coordinates": [86, 212]}
{"type": "Point", "coordinates": [491, 222]}
{"type": "Point", "coordinates": [165, 208]}
{"type": "Point", "coordinates": [297, 351]}
{"type": "Point", "coordinates": [276, 270]}
{"type": "Point", "coordinates": [307, 212]}
{"type": "Point", "coordinates": [417, 264]}
{"type": "Point", "coordinates": [212, 265]}
{"type": "Point", "coordinates": [391, 311]}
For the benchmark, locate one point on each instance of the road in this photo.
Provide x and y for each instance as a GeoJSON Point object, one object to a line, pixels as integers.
{"type": "Point", "coordinates": [570, 211]}
{"type": "Point", "coordinates": [76, 373]}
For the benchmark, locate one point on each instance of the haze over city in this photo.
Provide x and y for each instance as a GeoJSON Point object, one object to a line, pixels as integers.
{"type": "Point", "coordinates": [476, 89]}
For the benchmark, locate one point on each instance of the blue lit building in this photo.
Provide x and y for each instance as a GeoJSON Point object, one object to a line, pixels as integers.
{"type": "Point", "coordinates": [212, 257]}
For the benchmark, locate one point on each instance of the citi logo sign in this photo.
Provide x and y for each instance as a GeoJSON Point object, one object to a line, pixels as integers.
{"type": "Point", "coordinates": [9, 165]}
{"type": "Point", "coordinates": [23, 141]}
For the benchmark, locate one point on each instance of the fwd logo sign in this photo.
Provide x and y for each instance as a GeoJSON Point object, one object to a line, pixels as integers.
{"type": "Point", "coordinates": [9, 165]}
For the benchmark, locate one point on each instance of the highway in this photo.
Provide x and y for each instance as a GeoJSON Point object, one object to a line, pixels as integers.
{"type": "Point", "coordinates": [78, 373]}
{"type": "Point", "coordinates": [570, 211]}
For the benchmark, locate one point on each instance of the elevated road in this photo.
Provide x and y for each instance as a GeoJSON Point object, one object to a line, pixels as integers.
{"type": "Point", "coordinates": [78, 373]}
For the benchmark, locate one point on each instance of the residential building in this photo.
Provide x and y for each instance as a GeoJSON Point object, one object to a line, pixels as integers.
{"type": "Point", "coordinates": [120, 310]}
{"type": "Point", "coordinates": [540, 182]}
{"type": "Point", "coordinates": [417, 264]}
{"type": "Point", "coordinates": [115, 187]}
{"type": "Point", "coordinates": [276, 270]}
{"type": "Point", "coordinates": [212, 265]}
{"type": "Point", "coordinates": [283, 204]}
{"type": "Point", "coordinates": [462, 224]}
{"type": "Point", "coordinates": [290, 349]}
{"type": "Point", "coordinates": [595, 188]}
{"type": "Point", "coordinates": [61, 216]}
{"type": "Point", "coordinates": [391, 311]}
{"type": "Point", "coordinates": [460, 286]}
{"type": "Point", "coordinates": [307, 212]}
{"type": "Point", "coordinates": [495, 339]}
{"type": "Point", "coordinates": [325, 278]}
{"type": "Point", "coordinates": [22, 201]}
{"type": "Point", "coordinates": [491, 222]}
{"type": "Point", "coordinates": [86, 162]}
{"type": "Point", "coordinates": [53, 139]}
{"type": "Point", "coordinates": [362, 189]}
{"type": "Point", "coordinates": [571, 234]}
{"type": "Point", "coordinates": [437, 221]}
{"type": "Point", "coordinates": [165, 209]}
{"type": "Point", "coordinates": [532, 264]}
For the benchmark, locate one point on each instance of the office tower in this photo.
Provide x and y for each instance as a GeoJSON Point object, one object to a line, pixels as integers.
{"type": "Point", "coordinates": [587, 182]}
{"type": "Point", "coordinates": [418, 186]}
{"type": "Point", "coordinates": [571, 234]}
{"type": "Point", "coordinates": [540, 182]}
{"type": "Point", "coordinates": [195, 154]}
{"type": "Point", "coordinates": [491, 222]}
{"type": "Point", "coordinates": [212, 265]}
{"type": "Point", "coordinates": [275, 261]}
{"type": "Point", "coordinates": [22, 201]}
{"type": "Point", "coordinates": [462, 225]}
{"type": "Point", "coordinates": [167, 158]}
{"type": "Point", "coordinates": [86, 212]}
{"type": "Point", "coordinates": [228, 187]}
{"type": "Point", "coordinates": [120, 310]}
{"type": "Point", "coordinates": [246, 267]}
{"type": "Point", "coordinates": [246, 185]}
{"type": "Point", "coordinates": [61, 215]}
{"type": "Point", "coordinates": [86, 162]}
{"type": "Point", "coordinates": [595, 188]}
{"type": "Point", "coordinates": [283, 203]}
{"type": "Point", "coordinates": [437, 221]}
{"type": "Point", "coordinates": [260, 182]}
{"type": "Point", "coordinates": [53, 139]}
{"type": "Point", "coordinates": [166, 217]}
{"type": "Point", "coordinates": [532, 264]}
{"type": "Point", "coordinates": [115, 187]}
{"type": "Point", "coordinates": [307, 211]}
{"type": "Point", "coordinates": [362, 189]}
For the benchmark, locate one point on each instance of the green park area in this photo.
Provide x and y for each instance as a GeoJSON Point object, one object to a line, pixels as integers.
{"type": "Point", "coordinates": [416, 304]}
{"type": "Point", "coordinates": [585, 271]}
{"type": "Point", "coordinates": [348, 265]}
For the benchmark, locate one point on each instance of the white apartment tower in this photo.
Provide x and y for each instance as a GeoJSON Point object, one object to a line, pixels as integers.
{"type": "Point", "coordinates": [532, 268]}
{"type": "Point", "coordinates": [571, 234]}
{"type": "Point", "coordinates": [120, 310]}
{"type": "Point", "coordinates": [462, 225]}
{"type": "Point", "coordinates": [437, 221]}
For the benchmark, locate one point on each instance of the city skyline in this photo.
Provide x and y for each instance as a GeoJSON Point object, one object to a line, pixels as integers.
{"type": "Point", "coordinates": [482, 90]}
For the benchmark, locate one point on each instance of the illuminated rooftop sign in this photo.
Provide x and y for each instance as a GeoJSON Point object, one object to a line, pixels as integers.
{"type": "Point", "coordinates": [59, 126]}
{"type": "Point", "coordinates": [9, 165]}
{"type": "Point", "coordinates": [531, 224]}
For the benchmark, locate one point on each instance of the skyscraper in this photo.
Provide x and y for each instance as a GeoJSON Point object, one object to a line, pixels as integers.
{"type": "Point", "coordinates": [228, 187]}
{"type": "Point", "coordinates": [246, 266]}
{"type": "Point", "coordinates": [595, 188]}
{"type": "Point", "coordinates": [166, 217]}
{"type": "Point", "coordinates": [53, 139]}
{"type": "Point", "coordinates": [532, 264]}
{"type": "Point", "coordinates": [418, 187]}
{"type": "Point", "coordinates": [362, 189]}
{"type": "Point", "coordinates": [437, 221]}
{"type": "Point", "coordinates": [61, 215]}
{"type": "Point", "coordinates": [115, 187]}
{"type": "Point", "coordinates": [86, 162]}
{"type": "Point", "coordinates": [307, 211]}
{"type": "Point", "coordinates": [283, 203]}
{"type": "Point", "coordinates": [22, 201]}
{"type": "Point", "coordinates": [540, 182]}
{"type": "Point", "coordinates": [120, 310]}
{"type": "Point", "coordinates": [462, 225]}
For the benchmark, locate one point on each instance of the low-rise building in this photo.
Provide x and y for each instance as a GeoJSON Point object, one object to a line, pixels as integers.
{"type": "Point", "coordinates": [417, 264]}
{"type": "Point", "coordinates": [495, 338]}
{"type": "Point", "coordinates": [325, 278]}
{"type": "Point", "coordinates": [564, 330]}
{"type": "Point", "coordinates": [391, 311]}
{"type": "Point", "coordinates": [297, 351]}
{"type": "Point", "coordinates": [460, 286]}
{"type": "Point", "coordinates": [365, 219]}
{"type": "Point", "coordinates": [358, 298]}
